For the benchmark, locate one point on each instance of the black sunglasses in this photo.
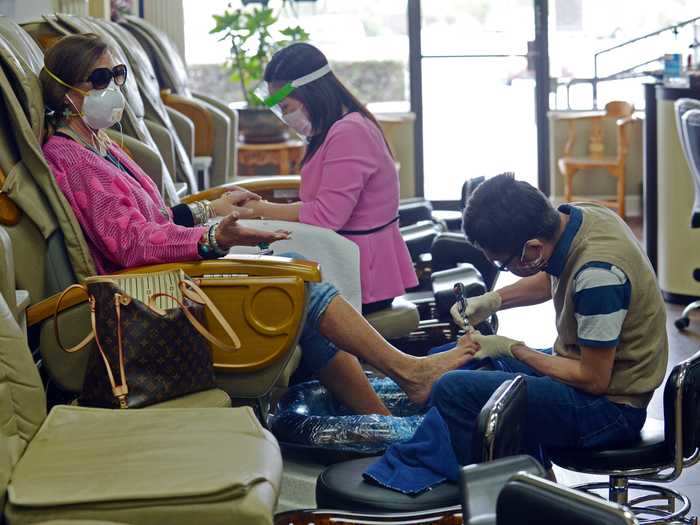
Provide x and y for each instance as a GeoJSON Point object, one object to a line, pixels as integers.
{"type": "Point", "coordinates": [102, 76]}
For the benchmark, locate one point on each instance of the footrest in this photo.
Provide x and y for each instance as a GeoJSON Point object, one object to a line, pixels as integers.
{"type": "Point", "coordinates": [399, 320]}
{"type": "Point", "coordinates": [419, 237]}
{"type": "Point", "coordinates": [414, 210]}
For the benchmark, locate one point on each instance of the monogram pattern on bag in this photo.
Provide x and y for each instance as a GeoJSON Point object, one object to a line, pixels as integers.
{"type": "Point", "coordinates": [164, 356]}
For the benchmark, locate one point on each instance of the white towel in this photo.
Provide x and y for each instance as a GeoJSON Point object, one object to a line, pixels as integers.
{"type": "Point", "coordinates": [339, 257]}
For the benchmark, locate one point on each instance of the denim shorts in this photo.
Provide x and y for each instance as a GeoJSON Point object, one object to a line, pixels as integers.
{"type": "Point", "coordinates": [316, 350]}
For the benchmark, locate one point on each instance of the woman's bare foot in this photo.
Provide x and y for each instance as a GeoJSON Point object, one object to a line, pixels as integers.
{"type": "Point", "coordinates": [417, 381]}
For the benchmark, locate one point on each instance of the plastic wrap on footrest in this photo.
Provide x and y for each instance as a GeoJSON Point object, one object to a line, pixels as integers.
{"type": "Point", "coordinates": [443, 286]}
{"type": "Point", "coordinates": [308, 415]}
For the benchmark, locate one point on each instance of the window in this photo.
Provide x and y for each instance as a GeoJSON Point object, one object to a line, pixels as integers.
{"type": "Point", "coordinates": [366, 42]}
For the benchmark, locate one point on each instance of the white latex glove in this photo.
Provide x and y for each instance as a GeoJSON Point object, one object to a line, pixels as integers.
{"type": "Point", "coordinates": [494, 345]}
{"type": "Point", "coordinates": [479, 308]}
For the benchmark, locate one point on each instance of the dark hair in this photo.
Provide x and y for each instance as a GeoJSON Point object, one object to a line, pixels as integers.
{"type": "Point", "coordinates": [503, 213]}
{"type": "Point", "coordinates": [323, 98]}
{"type": "Point", "coordinates": [71, 59]}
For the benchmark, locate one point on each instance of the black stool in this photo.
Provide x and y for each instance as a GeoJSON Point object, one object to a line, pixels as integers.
{"type": "Point", "coordinates": [664, 449]}
{"type": "Point", "coordinates": [480, 485]}
{"type": "Point", "coordinates": [499, 433]}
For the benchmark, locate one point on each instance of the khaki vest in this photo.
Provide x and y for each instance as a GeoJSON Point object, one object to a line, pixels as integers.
{"type": "Point", "coordinates": [642, 353]}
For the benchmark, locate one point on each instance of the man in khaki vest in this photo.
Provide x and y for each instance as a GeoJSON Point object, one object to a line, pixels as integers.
{"type": "Point", "coordinates": [592, 388]}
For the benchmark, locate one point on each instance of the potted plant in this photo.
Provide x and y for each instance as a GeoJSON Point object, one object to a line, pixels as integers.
{"type": "Point", "coordinates": [253, 41]}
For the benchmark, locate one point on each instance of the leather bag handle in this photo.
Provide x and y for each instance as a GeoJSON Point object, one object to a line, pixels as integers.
{"type": "Point", "coordinates": [82, 344]}
{"type": "Point", "coordinates": [119, 391]}
{"type": "Point", "coordinates": [194, 293]}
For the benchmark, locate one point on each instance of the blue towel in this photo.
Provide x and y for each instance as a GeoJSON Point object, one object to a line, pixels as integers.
{"type": "Point", "coordinates": [420, 463]}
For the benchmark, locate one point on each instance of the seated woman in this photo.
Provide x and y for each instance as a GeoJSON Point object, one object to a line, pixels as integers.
{"type": "Point", "coordinates": [349, 181]}
{"type": "Point", "coordinates": [127, 224]}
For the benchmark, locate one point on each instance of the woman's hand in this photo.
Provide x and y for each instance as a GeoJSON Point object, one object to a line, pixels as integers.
{"type": "Point", "coordinates": [229, 233]}
{"type": "Point", "coordinates": [257, 208]}
{"type": "Point", "coordinates": [234, 200]}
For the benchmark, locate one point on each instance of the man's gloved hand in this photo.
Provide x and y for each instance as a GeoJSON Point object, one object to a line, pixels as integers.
{"type": "Point", "coordinates": [479, 308]}
{"type": "Point", "coordinates": [494, 345]}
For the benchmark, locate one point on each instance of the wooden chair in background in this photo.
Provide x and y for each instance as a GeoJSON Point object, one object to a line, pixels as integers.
{"type": "Point", "coordinates": [570, 165]}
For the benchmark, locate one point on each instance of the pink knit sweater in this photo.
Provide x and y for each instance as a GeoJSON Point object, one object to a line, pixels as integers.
{"type": "Point", "coordinates": [124, 218]}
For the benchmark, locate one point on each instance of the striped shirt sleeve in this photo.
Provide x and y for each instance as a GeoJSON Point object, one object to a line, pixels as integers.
{"type": "Point", "coordinates": [601, 300]}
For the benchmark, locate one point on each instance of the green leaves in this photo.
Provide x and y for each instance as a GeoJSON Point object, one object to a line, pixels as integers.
{"type": "Point", "coordinates": [252, 43]}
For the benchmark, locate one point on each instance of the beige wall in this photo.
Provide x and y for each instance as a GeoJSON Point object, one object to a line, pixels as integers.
{"type": "Point", "coordinates": [168, 16]}
{"type": "Point", "coordinates": [100, 9]}
{"type": "Point", "coordinates": [27, 10]}
{"type": "Point", "coordinates": [398, 129]}
{"type": "Point", "coordinates": [678, 254]}
{"type": "Point", "coordinates": [595, 183]}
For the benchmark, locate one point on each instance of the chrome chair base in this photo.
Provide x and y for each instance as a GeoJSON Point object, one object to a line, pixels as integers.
{"type": "Point", "coordinates": [675, 508]}
{"type": "Point", "coordinates": [684, 320]}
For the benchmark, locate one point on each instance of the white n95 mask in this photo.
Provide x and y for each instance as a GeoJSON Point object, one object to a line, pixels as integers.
{"type": "Point", "coordinates": [103, 108]}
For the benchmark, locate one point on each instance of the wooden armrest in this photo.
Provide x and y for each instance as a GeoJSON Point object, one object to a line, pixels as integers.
{"type": "Point", "coordinates": [580, 115]}
{"type": "Point", "coordinates": [200, 117]}
{"type": "Point", "coordinates": [254, 184]}
{"type": "Point", "coordinates": [10, 214]}
{"type": "Point", "coordinates": [255, 265]}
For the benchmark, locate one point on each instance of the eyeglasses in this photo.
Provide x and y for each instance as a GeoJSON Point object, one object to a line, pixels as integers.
{"type": "Point", "coordinates": [102, 76]}
{"type": "Point", "coordinates": [503, 267]}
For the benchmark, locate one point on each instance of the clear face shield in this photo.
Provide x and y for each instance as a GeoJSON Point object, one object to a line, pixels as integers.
{"type": "Point", "coordinates": [272, 100]}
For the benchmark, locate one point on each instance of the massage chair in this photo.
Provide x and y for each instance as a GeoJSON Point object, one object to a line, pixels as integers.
{"type": "Point", "coordinates": [207, 463]}
{"type": "Point", "coordinates": [212, 138]}
{"type": "Point", "coordinates": [50, 253]}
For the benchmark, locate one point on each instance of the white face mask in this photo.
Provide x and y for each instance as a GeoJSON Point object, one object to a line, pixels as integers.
{"type": "Point", "coordinates": [103, 108]}
{"type": "Point", "coordinates": [299, 122]}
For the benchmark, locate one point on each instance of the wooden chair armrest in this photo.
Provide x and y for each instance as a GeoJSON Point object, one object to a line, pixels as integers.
{"type": "Point", "coordinates": [254, 184]}
{"type": "Point", "coordinates": [580, 115]}
{"type": "Point", "coordinates": [622, 142]}
{"type": "Point", "coordinates": [251, 265]}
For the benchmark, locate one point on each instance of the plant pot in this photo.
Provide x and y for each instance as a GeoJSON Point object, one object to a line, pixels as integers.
{"type": "Point", "coordinates": [260, 126]}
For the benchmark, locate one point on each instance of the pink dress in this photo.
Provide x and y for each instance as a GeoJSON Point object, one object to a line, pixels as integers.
{"type": "Point", "coordinates": [351, 184]}
{"type": "Point", "coordinates": [125, 221]}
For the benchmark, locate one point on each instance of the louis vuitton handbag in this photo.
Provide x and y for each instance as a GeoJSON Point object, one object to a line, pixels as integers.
{"type": "Point", "coordinates": [151, 343]}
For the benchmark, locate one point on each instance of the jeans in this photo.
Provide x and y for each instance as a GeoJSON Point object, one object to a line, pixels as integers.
{"type": "Point", "coordinates": [558, 415]}
{"type": "Point", "coordinates": [317, 351]}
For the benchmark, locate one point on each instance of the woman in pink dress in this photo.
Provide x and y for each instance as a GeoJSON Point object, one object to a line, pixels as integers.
{"type": "Point", "coordinates": [349, 181]}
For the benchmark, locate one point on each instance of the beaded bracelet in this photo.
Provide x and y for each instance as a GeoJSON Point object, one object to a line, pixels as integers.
{"type": "Point", "coordinates": [211, 237]}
